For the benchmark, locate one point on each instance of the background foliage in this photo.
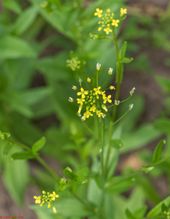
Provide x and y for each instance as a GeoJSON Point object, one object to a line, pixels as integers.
{"type": "Point", "coordinates": [36, 39]}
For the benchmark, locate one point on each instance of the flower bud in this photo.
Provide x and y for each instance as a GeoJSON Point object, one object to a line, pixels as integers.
{"type": "Point", "coordinates": [110, 71]}
{"type": "Point", "coordinates": [74, 87]}
{"type": "Point", "coordinates": [131, 106]}
{"type": "Point", "coordinates": [70, 99]}
{"type": "Point", "coordinates": [132, 91]}
{"type": "Point", "coordinates": [117, 102]}
{"type": "Point", "coordinates": [98, 66]}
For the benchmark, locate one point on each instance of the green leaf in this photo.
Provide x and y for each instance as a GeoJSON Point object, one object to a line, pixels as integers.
{"type": "Point", "coordinates": [16, 178]}
{"type": "Point", "coordinates": [157, 154]}
{"type": "Point", "coordinates": [127, 60]}
{"type": "Point", "coordinates": [38, 145]}
{"type": "Point", "coordinates": [12, 5]}
{"type": "Point", "coordinates": [164, 82]}
{"type": "Point", "coordinates": [163, 125]}
{"type": "Point", "coordinates": [70, 174]}
{"type": "Point", "coordinates": [158, 208]}
{"type": "Point", "coordinates": [140, 137]}
{"type": "Point", "coordinates": [129, 214]}
{"type": "Point", "coordinates": [25, 20]}
{"type": "Point", "coordinates": [123, 50]}
{"type": "Point", "coordinates": [23, 155]}
{"type": "Point", "coordinates": [13, 47]}
{"type": "Point", "coordinates": [120, 184]}
{"type": "Point", "coordinates": [71, 208]}
{"type": "Point", "coordinates": [117, 143]}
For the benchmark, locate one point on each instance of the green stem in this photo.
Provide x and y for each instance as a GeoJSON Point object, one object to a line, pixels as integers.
{"type": "Point", "coordinates": [83, 202]}
{"type": "Point", "coordinates": [116, 98]}
{"type": "Point", "coordinates": [118, 83]}
{"type": "Point", "coordinates": [97, 78]}
{"type": "Point", "coordinates": [38, 158]}
{"type": "Point", "coordinates": [102, 146]}
{"type": "Point", "coordinates": [47, 167]}
{"type": "Point", "coordinates": [108, 150]}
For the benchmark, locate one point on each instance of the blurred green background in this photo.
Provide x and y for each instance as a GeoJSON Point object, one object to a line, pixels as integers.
{"type": "Point", "coordinates": [36, 39]}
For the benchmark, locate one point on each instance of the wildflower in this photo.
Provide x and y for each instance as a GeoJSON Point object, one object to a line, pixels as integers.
{"type": "Point", "coordinates": [98, 12]}
{"type": "Point", "coordinates": [107, 99]}
{"type": "Point", "coordinates": [48, 199]}
{"type": "Point", "coordinates": [100, 114]}
{"type": "Point", "coordinates": [106, 21]}
{"type": "Point", "coordinates": [115, 22]}
{"type": "Point", "coordinates": [98, 66]}
{"type": "Point", "coordinates": [82, 93]}
{"type": "Point", "coordinates": [107, 30]}
{"type": "Point", "coordinates": [123, 11]}
{"type": "Point", "coordinates": [92, 102]}
{"type": "Point", "coordinates": [110, 71]}
{"type": "Point", "coordinates": [73, 63]}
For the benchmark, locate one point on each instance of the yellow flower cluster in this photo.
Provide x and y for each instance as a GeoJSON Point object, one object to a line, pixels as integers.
{"type": "Point", "coordinates": [47, 198]}
{"type": "Point", "coordinates": [73, 63]}
{"type": "Point", "coordinates": [92, 102]}
{"type": "Point", "coordinates": [107, 20]}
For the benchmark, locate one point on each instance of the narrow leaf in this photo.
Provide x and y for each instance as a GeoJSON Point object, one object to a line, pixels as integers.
{"type": "Point", "coordinates": [23, 155]}
{"type": "Point", "coordinates": [38, 145]}
{"type": "Point", "coordinates": [157, 154]}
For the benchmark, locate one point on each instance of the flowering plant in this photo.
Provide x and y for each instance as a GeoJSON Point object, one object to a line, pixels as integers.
{"type": "Point", "coordinates": [86, 179]}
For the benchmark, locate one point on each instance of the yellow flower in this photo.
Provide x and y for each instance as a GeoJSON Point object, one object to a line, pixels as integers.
{"type": "Point", "coordinates": [123, 11]}
{"type": "Point", "coordinates": [93, 109]}
{"type": "Point", "coordinates": [107, 99]}
{"type": "Point", "coordinates": [37, 200]}
{"type": "Point", "coordinates": [107, 21]}
{"type": "Point", "coordinates": [73, 63]}
{"type": "Point", "coordinates": [86, 115]}
{"type": "Point", "coordinates": [100, 114]}
{"type": "Point", "coordinates": [98, 12]}
{"type": "Point", "coordinates": [97, 90]}
{"type": "Point", "coordinates": [80, 101]}
{"type": "Point", "coordinates": [54, 196]}
{"type": "Point", "coordinates": [47, 198]}
{"type": "Point", "coordinates": [93, 102]}
{"type": "Point", "coordinates": [107, 30]}
{"type": "Point", "coordinates": [115, 22]}
{"type": "Point", "coordinates": [82, 92]}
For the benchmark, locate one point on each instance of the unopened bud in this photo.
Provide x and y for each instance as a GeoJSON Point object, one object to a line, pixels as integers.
{"type": "Point", "coordinates": [98, 66]}
{"type": "Point", "coordinates": [110, 71]}
{"type": "Point", "coordinates": [117, 102]}
{"type": "Point", "coordinates": [112, 87]}
{"type": "Point", "coordinates": [74, 87]}
{"type": "Point", "coordinates": [132, 91]}
{"type": "Point", "coordinates": [89, 80]}
{"type": "Point", "coordinates": [70, 99]}
{"type": "Point", "coordinates": [131, 107]}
